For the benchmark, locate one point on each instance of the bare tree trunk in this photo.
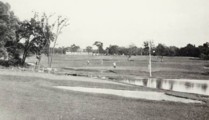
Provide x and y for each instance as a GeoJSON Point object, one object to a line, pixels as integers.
{"type": "Point", "coordinates": [53, 50]}
{"type": "Point", "coordinates": [5, 53]}
{"type": "Point", "coordinates": [49, 62]}
{"type": "Point", "coordinates": [24, 58]}
{"type": "Point", "coordinates": [50, 65]}
{"type": "Point", "coordinates": [61, 23]}
{"type": "Point", "coordinates": [39, 61]}
{"type": "Point", "coordinates": [161, 58]}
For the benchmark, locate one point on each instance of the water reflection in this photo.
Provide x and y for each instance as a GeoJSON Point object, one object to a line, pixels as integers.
{"type": "Point", "coordinates": [188, 85]}
{"type": "Point", "coordinates": [204, 87]}
{"type": "Point", "coordinates": [171, 85]}
{"type": "Point", "coordinates": [181, 85]}
{"type": "Point", "coordinates": [159, 83]}
{"type": "Point", "coordinates": [145, 82]}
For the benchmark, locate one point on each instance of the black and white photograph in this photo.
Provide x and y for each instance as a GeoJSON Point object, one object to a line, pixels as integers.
{"type": "Point", "coordinates": [104, 59]}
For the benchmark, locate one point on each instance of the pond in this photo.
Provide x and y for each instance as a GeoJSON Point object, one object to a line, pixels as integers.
{"type": "Point", "coordinates": [149, 95]}
{"type": "Point", "coordinates": [180, 85]}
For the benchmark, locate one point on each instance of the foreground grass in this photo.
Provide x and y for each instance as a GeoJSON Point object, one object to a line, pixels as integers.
{"type": "Point", "coordinates": [33, 98]}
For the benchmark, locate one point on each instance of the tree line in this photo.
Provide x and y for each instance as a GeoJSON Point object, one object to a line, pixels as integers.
{"type": "Point", "coordinates": [160, 50]}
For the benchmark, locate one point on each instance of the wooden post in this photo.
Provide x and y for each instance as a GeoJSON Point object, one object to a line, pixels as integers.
{"type": "Point", "coordinates": [150, 59]}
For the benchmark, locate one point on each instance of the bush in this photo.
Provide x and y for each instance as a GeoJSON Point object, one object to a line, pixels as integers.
{"type": "Point", "coordinates": [11, 62]}
{"type": "Point", "coordinates": [4, 63]}
{"type": "Point", "coordinates": [204, 57]}
{"type": "Point", "coordinates": [14, 62]}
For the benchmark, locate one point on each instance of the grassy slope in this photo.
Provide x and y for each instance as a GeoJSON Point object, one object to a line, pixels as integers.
{"type": "Point", "coordinates": [32, 98]}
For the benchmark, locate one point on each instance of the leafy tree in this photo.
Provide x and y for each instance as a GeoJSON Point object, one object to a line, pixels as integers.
{"type": "Point", "coordinates": [139, 51]}
{"type": "Point", "coordinates": [88, 49]}
{"type": "Point", "coordinates": [173, 51]}
{"type": "Point", "coordinates": [204, 51]}
{"type": "Point", "coordinates": [123, 50]}
{"type": "Point", "coordinates": [99, 46]}
{"type": "Point", "coordinates": [8, 25]}
{"type": "Point", "coordinates": [60, 50]}
{"type": "Point", "coordinates": [33, 37]}
{"type": "Point", "coordinates": [146, 47]}
{"type": "Point", "coordinates": [189, 50]}
{"type": "Point", "coordinates": [161, 50]}
{"type": "Point", "coordinates": [74, 48]}
{"type": "Point", "coordinates": [113, 49]}
{"type": "Point", "coordinates": [132, 50]}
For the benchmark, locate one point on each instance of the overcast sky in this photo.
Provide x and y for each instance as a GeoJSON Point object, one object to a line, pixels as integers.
{"type": "Point", "coordinates": [125, 22]}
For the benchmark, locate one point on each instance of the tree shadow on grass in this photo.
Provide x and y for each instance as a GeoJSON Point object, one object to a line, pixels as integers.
{"type": "Point", "coordinates": [205, 73]}
{"type": "Point", "coordinates": [195, 59]}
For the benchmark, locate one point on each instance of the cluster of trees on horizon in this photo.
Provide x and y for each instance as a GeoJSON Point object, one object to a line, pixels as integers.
{"type": "Point", "coordinates": [189, 50]}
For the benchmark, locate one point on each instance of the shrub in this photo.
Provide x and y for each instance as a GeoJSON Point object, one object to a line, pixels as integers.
{"type": "Point", "coordinates": [4, 63]}
{"type": "Point", "coordinates": [11, 62]}
{"type": "Point", "coordinates": [204, 56]}
{"type": "Point", "coordinates": [14, 62]}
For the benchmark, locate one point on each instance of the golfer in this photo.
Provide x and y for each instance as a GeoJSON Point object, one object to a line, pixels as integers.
{"type": "Point", "coordinates": [114, 65]}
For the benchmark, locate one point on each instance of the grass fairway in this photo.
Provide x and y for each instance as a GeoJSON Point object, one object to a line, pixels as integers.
{"type": "Point", "coordinates": [33, 98]}
{"type": "Point", "coordinates": [171, 67]}
{"type": "Point", "coordinates": [26, 95]}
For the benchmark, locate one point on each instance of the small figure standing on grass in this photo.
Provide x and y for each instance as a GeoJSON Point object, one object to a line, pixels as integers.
{"type": "Point", "coordinates": [114, 65]}
{"type": "Point", "coordinates": [88, 62]}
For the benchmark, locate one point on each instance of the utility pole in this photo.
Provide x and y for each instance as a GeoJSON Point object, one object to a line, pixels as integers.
{"type": "Point", "coordinates": [150, 59]}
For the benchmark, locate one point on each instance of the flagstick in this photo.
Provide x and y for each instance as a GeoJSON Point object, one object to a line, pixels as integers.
{"type": "Point", "coordinates": [150, 60]}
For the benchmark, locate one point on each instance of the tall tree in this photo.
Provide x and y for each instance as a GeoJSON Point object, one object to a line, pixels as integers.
{"type": "Point", "coordinates": [88, 49]}
{"type": "Point", "coordinates": [123, 51]}
{"type": "Point", "coordinates": [48, 35]}
{"type": "Point", "coordinates": [33, 37]}
{"type": "Point", "coordinates": [146, 47]}
{"type": "Point", "coordinates": [204, 51]}
{"type": "Point", "coordinates": [99, 46]}
{"type": "Point", "coordinates": [8, 25]}
{"type": "Point", "coordinates": [173, 51]}
{"type": "Point", "coordinates": [189, 50]}
{"type": "Point", "coordinates": [58, 27]}
{"type": "Point", "coordinates": [113, 49]}
{"type": "Point", "coordinates": [161, 50]}
{"type": "Point", "coordinates": [132, 49]}
{"type": "Point", "coordinates": [74, 48]}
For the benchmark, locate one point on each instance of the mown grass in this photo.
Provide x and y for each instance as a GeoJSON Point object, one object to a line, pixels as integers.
{"type": "Point", "coordinates": [171, 67]}
{"type": "Point", "coordinates": [33, 98]}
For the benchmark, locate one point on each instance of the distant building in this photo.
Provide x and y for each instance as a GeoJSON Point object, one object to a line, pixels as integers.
{"type": "Point", "coordinates": [78, 52]}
